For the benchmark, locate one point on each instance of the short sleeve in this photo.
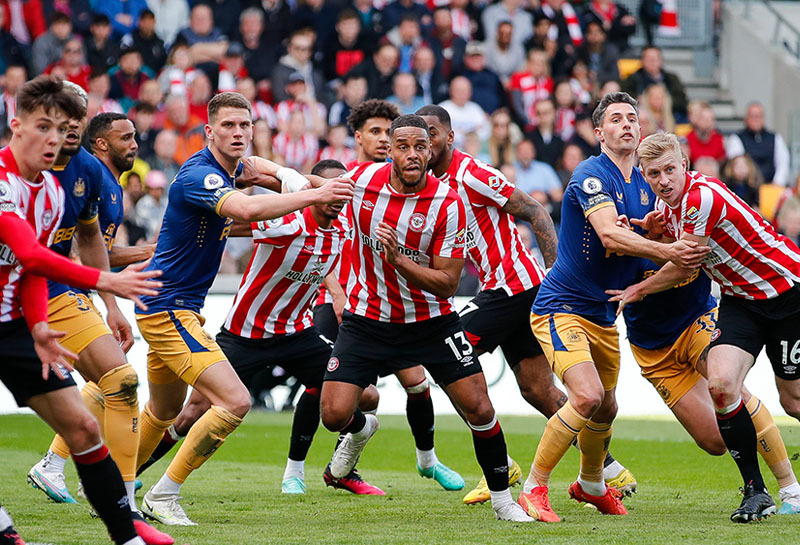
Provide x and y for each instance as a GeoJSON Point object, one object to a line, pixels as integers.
{"type": "Point", "coordinates": [451, 235]}
{"type": "Point", "coordinates": [590, 191]}
{"type": "Point", "coordinates": [205, 188]}
{"type": "Point", "coordinates": [487, 186]}
{"type": "Point", "coordinates": [701, 211]}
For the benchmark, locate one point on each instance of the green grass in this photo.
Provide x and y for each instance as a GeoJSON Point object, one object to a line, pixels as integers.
{"type": "Point", "coordinates": [685, 495]}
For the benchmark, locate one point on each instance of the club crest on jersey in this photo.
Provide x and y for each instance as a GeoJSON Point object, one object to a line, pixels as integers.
{"type": "Point", "coordinates": [79, 189]}
{"type": "Point", "coordinates": [644, 197]}
{"type": "Point", "coordinates": [692, 214]}
{"type": "Point", "coordinates": [417, 222]}
{"type": "Point", "coordinates": [5, 191]}
{"type": "Point", "coordinates": [592, 185]}
{"type": "Point", "coordinates": [333, 364]}
{"type": "Point", "coordinates": [213, 181]}
{"type": "Point", "coordinates": [47, 219]}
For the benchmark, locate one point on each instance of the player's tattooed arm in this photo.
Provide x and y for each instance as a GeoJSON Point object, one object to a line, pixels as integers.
{"type": "Point", "coordinates": [523, 206]}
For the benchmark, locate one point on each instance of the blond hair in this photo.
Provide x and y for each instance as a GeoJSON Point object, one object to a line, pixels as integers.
{"type": "Point", "coordinates": [657, 145]}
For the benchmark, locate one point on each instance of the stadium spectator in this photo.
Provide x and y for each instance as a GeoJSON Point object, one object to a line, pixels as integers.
{"type": "Point", "coordinates": [151, 207]}
{"type": "Point", "coordinates": [379, 70]}
{"type": "Point", "coordinates": [508, 10]}
{"type": "Point", "coordinates": [465, 115]}
{"type": "Point", "coordinates": [123, 14]}
{"type": "Point", "coordinates": [299, 99]}
{"type": "Point", "coordinates": [743, 177]}
{"type": "Point", "coordinates": [652, 71]}
{"type": "Point", "coordinates": [487, 89]}
{"type": "Point", "coordinates": [127, 77]}
{"type": "Point", "coordinates": [12, 51]}
{"type": "Point", "coordinates": [502, 54]}
{"type": "Point", "coordinates": [163, 149]}
{"type": "Point", "coordinates": [433, 86]}
{"type": "Point", "coordinates": [615, 19]}
{"type": "Point", "coordinates": [99, 87]}
{"type": "Point", "coordinates": [189, 131]}
{"type": "Point", "coordinates": [584, 136]}
{"type": "Point", "coordinates": [536, 178]}
{"type": "Point", "coordinates": [566, 109]}
{"type": "Point", "coordinates": [395, 11]}
{"type": "Point", "coordinates": [26, 21]}
{"type": "Point", "coordinates": [707, 166]}
{"type": "Point", "coordinates": [14, 77]}
{"type": "Point", "coordinates": [171, 17]}
{"type": "Point", "coordinates": [207, 42]}
{"type": "Point", "coordinates": [232, 68]}
{"type": "Point", "coordinates": [705, 140]}
{"type": "Point", "coordinates": [547, 143]}
{"type": "Point", "coordinates": [462, 21]}
{"type": "Point", "coordinates": [260, 51]}
{"type": "Point", "coordinates": [316, 15]}
{"type": "Point", "coordinates": [767, 149]}
{"type": "Point", "coordinates": [529, 86]}
{"type": "Point", "coordinates": [298, 59]}
{"type": "Point", "coordinates": [346, 48]}
{"type": "Point", "coordinates": [277, 20]}
{"type": "Point", "coordinates": [446, 45]}
{"type": "Point", "coordinates": [354, 92]}
{"type": "Point", "coordinates": [143, 117]}
{"type": "Point", "coordinates": [565, 29]}
{"type": "Point", "coordinates": [145, 39]}
{"type": "Point", "coordinates": [102, 53]}
{"type": "Point", "coordinates": [504, 138]}
{"type": "Point", "coordinates": [583, 85]}
{"type": "Point", "coordinates": [47, 48]}
{"type": "Point", "coordinates": [179, 70]}
{"type": "Point", "coordinates": [262, 140]}
{"type": "Point", "coordinates": [72, 64]}
{"type": "Point", "coordinates": [658, 104]}
{"type": "Point", "coordinates": [474, 146]}
{"type": "Point", "coordinates": [606, 87]}
{"type": "Point", "coordinates": [570, 158]}
{"type": "Point", "coordinates": [540, 39]}
{"type": "Point", "coordinates": [599, 56]}
{"type": "Point", "coordinates": [261, 110]}
{"type": "Point", "coordinates": [407, 38]}
{"type": "Point", "coordinates": [226, 14]}
{"type": "Point", "coordinates": [337, 148]}
{"type": "Point", "coordinates": [150, 93]}
{"type": "Point", "coordinates": [405, 95]}
{"type": "Point", "coordinates": [199, 93]}
{"type": "Point", "coordinates": [294, 147]}
{"type": "Point", "coordinates": [370, 17]}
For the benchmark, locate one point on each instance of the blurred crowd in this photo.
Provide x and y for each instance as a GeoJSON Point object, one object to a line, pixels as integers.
{"type": "Point", "coordinates": [518, 77]}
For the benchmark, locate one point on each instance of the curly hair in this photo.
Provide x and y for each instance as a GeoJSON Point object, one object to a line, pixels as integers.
{"type": "Point", "coordinates": [368, 109]}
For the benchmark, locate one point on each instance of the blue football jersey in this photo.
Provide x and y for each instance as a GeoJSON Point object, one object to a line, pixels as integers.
{"type": "Point", "coordinates": [82, 180]}
{"type": "Point", "coordinates": [193, 234]}
{"type": "Point", "coordinates": [659, 319]}
{"type": "Point", "coordinates": [584, 269]}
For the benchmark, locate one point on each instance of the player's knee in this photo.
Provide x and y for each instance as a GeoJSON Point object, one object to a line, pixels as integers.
{"type": "Point", "coordinates": [369, 399]}
{"type": "Point", "coordinates": [480, 414]}
{"type": "Point", "coordinates": [723, 390]}
{"type": "Point", "coordinates": [587, 402]}
{"type": "Point", "coordinates": [120, 386]}
{"type": "Point", "coordinates": [83, 433]}
{"type": "Point", "coordinates": [333, 418]}
{"type": "Point", "coordinates": [791, 405]}
{"type": "Point", "coordinates": [239, 404]}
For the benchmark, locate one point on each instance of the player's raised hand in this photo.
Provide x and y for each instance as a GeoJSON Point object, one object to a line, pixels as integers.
{"type": "Point", "coordinates": [688, 254]}
{"type": "Point", "coordinates": [132, 282]}
{"type": "Point", "coordinates": [388, 237]}
{"type": "Point", "coordinates": [251, 176]}
{"type": "Point", "coordinates": [654, 223]}
{"type": "Point", "coordinates": [335, 190]}
{"type": "Point", "coordinates": [622, 221]}
{"type": "Point", "coordinates": [50, 352]}
{"type": "Point", "coordinates": [631, 294]}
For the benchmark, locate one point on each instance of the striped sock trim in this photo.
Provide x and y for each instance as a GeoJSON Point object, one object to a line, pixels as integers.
{"type": "Point", "coordinates": [486, 430]}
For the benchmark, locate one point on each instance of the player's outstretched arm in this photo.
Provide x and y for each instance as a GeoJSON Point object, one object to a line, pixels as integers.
{"type": "Point", "coordinates": [441, 279]}
{"type": "Point", "coordinates": [684, 253]}
{"type": "Point", "coordinates": [122, 256]}
{"type": "Point", "coordinates": [131, 282]}
{"type": "Point", "coordinates": [523, 206]}
{"type": "Point", "coordinates": [252, 208]}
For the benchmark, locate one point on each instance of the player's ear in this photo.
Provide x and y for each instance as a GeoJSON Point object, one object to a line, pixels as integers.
{"type": "Point", "coordinates": [451, 136]}
{"type": "Point", "coordinates": [209, 132]}
{"type": "Point", "coordinates": [598, 133]}
{"type": "Point", "coordinates": [15, 124]}
{"type": "Point", "coordinates": [101, 144]}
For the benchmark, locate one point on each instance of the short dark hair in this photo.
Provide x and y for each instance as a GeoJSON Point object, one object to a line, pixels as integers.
{"type": "Point", "coordinates": [368, 109]}
{"type": "Point", "coordinates": [619, 97]}
{"type": "Point", "coordinates": [325, 164]}
{"type": "Point", "coordinates": [49, 93]}
{"type": "Point", "coordinates": [410, 17]}
{"type": "Point", "coordinates": [438, 112]}
{"type": "Point", "coordinates": [60, 17]}
{"type": "Point", "coordinates": [100, 125]}
{"type": "Point", "coordinates": [146, 12]}
{"type": "Point", "coordinates": [409, 120]}
{"type": "Point", "coordinates": [144, 107]}
{"type": "Point", "coordinates": [228, 99]}
{"type": "Point", "coordinates": [348, 13]}
{"type": "Point", "coordinates": [100, 19]}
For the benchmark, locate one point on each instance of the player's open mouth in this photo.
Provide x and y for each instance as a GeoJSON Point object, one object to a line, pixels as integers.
{"type": "Point", "coordinates": [50, 156]}
{"type": "Point", "coordinates": [627, 136]}
{"type": "Point", "coordinates": [71, 138]}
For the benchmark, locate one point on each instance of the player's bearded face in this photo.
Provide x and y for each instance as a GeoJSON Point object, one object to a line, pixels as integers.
{"type": "Point", "coordinates": [411, 151]}
{"type": "Point", "coordinates": [232, 132]}
{"type": "Point", "coordinates": [122, 144]}
{"type": "Point", "coordinates": [72, 141]}
{"type": "Point", "coordinates": [620, 131]}
{"type": "Point", "coordinates": [666, 177]}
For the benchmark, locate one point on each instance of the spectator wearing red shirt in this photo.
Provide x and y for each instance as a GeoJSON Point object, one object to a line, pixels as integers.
{"type": "Point", "coordinates": [529, 86]}
{"type": "Point", "coordinates": [72, 65]}
{"type": "Point", "coordinates": [705, 140]}
{"type": "Point", "coordinates": [347, 47]}
{"type": "Point", "coordinates": [127, 77]}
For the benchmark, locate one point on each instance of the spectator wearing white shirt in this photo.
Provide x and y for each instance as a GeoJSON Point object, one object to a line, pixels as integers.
{"type": "Point", "coordinates": [465, 115]}
{"type": "Point", "coordinates": [766, 148]}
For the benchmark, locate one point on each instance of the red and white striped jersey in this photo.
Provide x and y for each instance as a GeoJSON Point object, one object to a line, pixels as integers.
{"type": "Point", "coordinates": [342, 267]}
{"type": "Point", "coordinates": [285, 108]}
{"type": "Point", "coordinates": [493, 241]}
{"type": "Point", "coordinates": [533, 90]}
{"type": "Point", "coordinates": [292, 258]}
{"type": "Point", "coordinates": [262, 110]}
{"type": "Point", "coordinates": [748, 257]}
{"type": "Point", "coordinates": [431, 222]}
{"type": "Point", "coordinates": [295, 153]}
{"type": "Point", "coordinates": [41, 203]}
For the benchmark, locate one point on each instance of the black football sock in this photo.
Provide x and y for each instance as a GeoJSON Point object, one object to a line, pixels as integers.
{"type": "Point", "coordinates": [492, 455]}
{"type": "Point", "coordinates": [739, 435]}
{"type": "Point", "coordinates": [419, 411]}
{"type": "Point", "coordinates": [609, 460]}
{"type": "Point", "coordinates": [163, 447]}
{"type": "Point", "coordinates": [356, 424]}
{"type": "Point", "coordinates": [304, 424]}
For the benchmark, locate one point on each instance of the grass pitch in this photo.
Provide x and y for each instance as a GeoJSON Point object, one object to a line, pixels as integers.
{"type": "Point", "coordinates": [685, 495]}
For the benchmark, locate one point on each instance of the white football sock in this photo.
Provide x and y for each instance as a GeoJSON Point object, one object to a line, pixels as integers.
{"type": "Point", "coordinates": [55, 462]}
{"type": "Point", "coordinates": [166, 487]}
{"type": "Point", "coordinates": [5, 519]}
{"type": "Point", "coordinates": [295, 468]}
{"type": "Point", "coordinates": [529, 485]}
{"type": "Point", "coordinates": [791, 491]}
{"type": "Point", "coordinates": [130, 488]}
{"type": "Point", "coordinates": [427, 458]}
{"type": "Point", "coordinates": [593, 489]}
{"type": "Point", "coordinates": [612, 470]}
{"type": "Point", "coordinates": [501, 498]}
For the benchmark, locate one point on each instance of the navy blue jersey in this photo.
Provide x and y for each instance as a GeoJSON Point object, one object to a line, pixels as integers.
{"type": "Point", "coordinates": [659, 319]}
{"type": "Point", "coordinates": [82, 180]}
{"type": "Point", "coordinates": [584, 269]}
{"type": "Point", "coordinates": [193, 234]}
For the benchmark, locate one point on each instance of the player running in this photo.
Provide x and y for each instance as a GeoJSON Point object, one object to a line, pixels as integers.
{"type": "Point", "coordinates": [510, 278]}
{"type": "Point", "coordinates": [31, 204]}
{"type": "Point", "coordinates": [572, 318]}
{"type": "Point", "coordinates": [112, 137]}
{"type": "Point", "coordinates": [202, 206]}
{"type": "Point", "coordinates": [758, 271]}
{"type": "Point", "coordinates": [370, 122]}
{"type": "Point", "coordinates": [408, 252]}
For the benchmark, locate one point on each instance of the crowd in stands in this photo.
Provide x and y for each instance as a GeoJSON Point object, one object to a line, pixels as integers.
{"type": "Point", "coordinates": [518, 77]}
